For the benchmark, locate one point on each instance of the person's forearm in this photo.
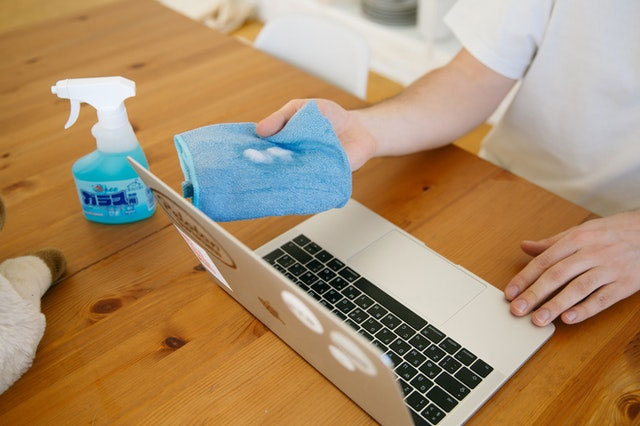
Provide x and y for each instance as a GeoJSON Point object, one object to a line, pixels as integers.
{"type": "Point", "coordinates": [437, 109]}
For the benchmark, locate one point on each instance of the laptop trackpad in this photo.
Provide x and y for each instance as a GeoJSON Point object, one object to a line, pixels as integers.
{"type": "Point", "coordinates": [417, 277]}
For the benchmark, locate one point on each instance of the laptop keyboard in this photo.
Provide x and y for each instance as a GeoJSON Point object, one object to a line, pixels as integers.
{"type": "Point", "coordinates": [434, 371]}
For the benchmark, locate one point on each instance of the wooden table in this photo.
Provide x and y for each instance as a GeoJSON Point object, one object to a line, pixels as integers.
{"type": "Point", "coordinates": [137, 332]}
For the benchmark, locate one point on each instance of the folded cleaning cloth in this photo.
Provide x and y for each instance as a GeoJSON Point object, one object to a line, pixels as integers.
{"type": "Point", "coordinates": [233, 174]}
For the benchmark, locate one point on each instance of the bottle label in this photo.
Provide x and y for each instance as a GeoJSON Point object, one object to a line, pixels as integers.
{"type": "Point", "coordinates": [117, 199]}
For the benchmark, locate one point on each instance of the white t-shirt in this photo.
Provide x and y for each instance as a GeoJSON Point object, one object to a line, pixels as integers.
{"type": "Point", "coordinates": [574, 124]}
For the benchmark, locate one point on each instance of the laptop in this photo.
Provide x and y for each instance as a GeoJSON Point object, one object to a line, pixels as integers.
{"type": "Point", "coordinates": [409, 336]}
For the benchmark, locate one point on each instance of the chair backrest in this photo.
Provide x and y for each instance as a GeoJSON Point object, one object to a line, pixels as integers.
{"type": "Point", "coordinates": [321, 47]}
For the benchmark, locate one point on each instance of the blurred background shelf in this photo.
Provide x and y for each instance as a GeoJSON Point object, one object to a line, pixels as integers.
{"type": "Point", "coordinates": [400, 53]}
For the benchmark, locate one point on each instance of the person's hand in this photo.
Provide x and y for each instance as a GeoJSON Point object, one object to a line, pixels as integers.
{"type": "Point", "coordinates": [593, 266]}
{"type": "Point", "coordinates": [357, 142]}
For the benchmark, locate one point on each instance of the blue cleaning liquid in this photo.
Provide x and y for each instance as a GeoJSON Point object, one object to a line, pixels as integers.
{"type": "Point", "coordinates": [110, 190]}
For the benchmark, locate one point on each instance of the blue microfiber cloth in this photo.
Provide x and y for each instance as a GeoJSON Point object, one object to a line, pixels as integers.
{"type": "Point", "coordinates": [232, 174]}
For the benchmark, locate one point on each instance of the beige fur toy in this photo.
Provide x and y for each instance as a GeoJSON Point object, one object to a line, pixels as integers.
{"type": "Point", "coordinates": [23, 281]}
{"type": "Point", "coordinates": [221, 15]}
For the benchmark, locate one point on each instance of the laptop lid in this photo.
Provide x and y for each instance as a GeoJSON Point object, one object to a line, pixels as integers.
{"type": "Point", "coordinates": [348, 360]}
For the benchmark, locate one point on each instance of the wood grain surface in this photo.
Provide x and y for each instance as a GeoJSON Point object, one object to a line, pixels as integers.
{"type": "Point", "coordinates": [137, 332]}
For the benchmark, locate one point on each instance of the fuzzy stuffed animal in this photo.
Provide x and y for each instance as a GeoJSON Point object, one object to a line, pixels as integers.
{"type": "Point", "coordinates": [221, 15]}
{"type": "Point", "coordinates": [23, 281]}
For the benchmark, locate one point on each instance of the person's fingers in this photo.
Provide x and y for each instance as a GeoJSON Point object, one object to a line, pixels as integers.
{"type": "Point", "coordinates": [534, 248]}
{"type": "Point", "coordinates": [530, 273]}
{"type": "Point", "coordinates": [550, 280]}
{"type": "Point", "coordinates": [594, 265]}
{"type": "Point", "coordinates": [576, 291]}
{"type": "Point", "coordinates": [275, 122]}
{"type": "Point", "coordinates": [600, 300]}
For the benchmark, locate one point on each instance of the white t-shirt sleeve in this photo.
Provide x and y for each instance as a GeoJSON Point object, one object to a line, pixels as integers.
{"type": "Point", "coordinates": [502, 34]}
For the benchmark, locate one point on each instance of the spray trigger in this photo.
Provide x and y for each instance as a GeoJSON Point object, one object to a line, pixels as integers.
{"type": "Point", "coordinates": [113, 131]}
{"type": "Point", "coordinates": [73, 114]}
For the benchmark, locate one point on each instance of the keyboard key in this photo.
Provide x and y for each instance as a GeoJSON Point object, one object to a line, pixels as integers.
{"type": "Point", "coordinates": [414, 358]}
{"type": "Point", "coordinates": [280, 268]}
{"type": "Point", "coordinates": [364, 301]}
{"type": "Point", "coordinates": [385, 335]}
{"type": "Point", "coordinates": [303, 286]}
{"type": "Point", "coordinates": [419, 342]}
{"type": "Point", "coordinates": [394, 358]}
{"type": "Point", "coordinates": [400, 347]}
{"type": "Point", "coordinates": [468, 377]}
{"type": "Point", "coordinates": [326, 274]}
{"type": "Point", "coordinates": [465, 356]}
{"type": "Point", "coordinates": [404, 331]}
{"type": "Point", "coordinates": [286, 261]}
{"type": "Point", "coordinates": [417, 401]}
{"type": "Point", "coordinates": [442, 399]}
{"type": "Point", "coordinates": [418, 420]}
{"type": "Point", "coordinates": [351, 292]}
{"type": "Point", "coordinates": [453, 386]}
{"type": "Point", "coordinates": [345, 306]}
{"type": "Point", "coordinates": [320, 287]}
{"type": "Point", "coordinates": [421, 383]}
{"type": "Point", "coordinates": [450, 364]}
{"type": "Point", "coordinates": [338, 283]}
{"type": "Point", "coordinates": [433, 414]}
{"type": "Point", "coordinates": [450, 345]}
{"type": "Point", "coordinates": [332, 296]}
{"type": "Point", "coordinates": [353, 324]}
{"type": "Point", "coordinates": [308, 278]}
{"type": "Point", "coordinates": [406, 371]}
{"type": "Point", "coordinates": [335, 264]}
{"type": "Point", "coordinates": [430, 369]}
{"type": "Point", "coordinates": [390, 303]}
{"type": "Point", "coordinates": [339, 314]}
{"type": "Point", "coordinates": [297, 269]}
{"type": "Point", "coordinates": [315, 266]}
{"type": "Point", "coordinates": [301, 240]}
{"type": "Point", "coordinates": [324, 256]}
{"type": "Point", "coordinates": [371, 325]}
{"type": "Point", "coordinates": [291, 276]}
{"type": "Point", "coordinates": [326, 304]}
{"type": "Point", "coordinates": [349, 274]}
{"type": "Point", "coordinates": [432, 333]}
{"type": "Point", "coordinates": [435, 353]}
{"type": "Point", "coordinates": [377, 312]}
{"type": "Point", "coordinates": [380, 345]}
{"type": "Point", "coordinates": [312, 248]}
{"type": "Point", "coordinates": [366, 335]}
{"type": "Point", "coordinates": [482, 368]}
{"type": "Point", "coordinates": [271, 257]}
{"type": "Point", "coordinates": [314, 295]}
{"type": "Point", "coordinates": [297, 253]}
{"type": "Point", "coordinates": [358, 315]}
{"type": "Point", "coordinates": [391, 321]}
{"type": "Point", "coordinates": [406, 389]}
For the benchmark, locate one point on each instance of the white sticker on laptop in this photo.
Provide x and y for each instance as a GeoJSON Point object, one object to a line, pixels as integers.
{"type": "Point", "coordinates": [350, 349]}
{"type": "Point", "coordinates": [302, 312]}
{"type": "Point", "coordinates": [342, 358]}
{"type": "Point", "coordinates": [204, 258]}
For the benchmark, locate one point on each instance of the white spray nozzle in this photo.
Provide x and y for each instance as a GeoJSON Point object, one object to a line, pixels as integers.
{"type": "Point", "coordinates": [105, 94]}
{"type": "Point", "coordinates": [113, 132]}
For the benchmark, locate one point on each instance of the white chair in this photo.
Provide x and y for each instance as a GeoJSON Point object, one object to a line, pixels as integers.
{"type": "Point", "coordinates": [321, 47]}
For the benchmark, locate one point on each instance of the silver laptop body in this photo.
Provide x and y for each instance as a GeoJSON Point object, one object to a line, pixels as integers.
{"type": "Point", "coordinates": [466, 310]}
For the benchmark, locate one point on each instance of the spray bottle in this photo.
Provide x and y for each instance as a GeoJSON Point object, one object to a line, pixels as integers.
{"type": "Point", "coordinates": [110, 190]}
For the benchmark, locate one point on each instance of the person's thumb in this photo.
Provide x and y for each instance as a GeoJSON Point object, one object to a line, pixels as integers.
{"type": "Point", "coordinates": [275, 122]}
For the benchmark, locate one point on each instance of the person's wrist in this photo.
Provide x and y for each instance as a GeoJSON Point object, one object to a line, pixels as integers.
{"type": "Point", "coordinates": [361, 120]}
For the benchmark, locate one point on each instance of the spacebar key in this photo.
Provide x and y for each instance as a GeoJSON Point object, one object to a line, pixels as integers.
{"type": "Point", "coordinates": [390, 303]}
